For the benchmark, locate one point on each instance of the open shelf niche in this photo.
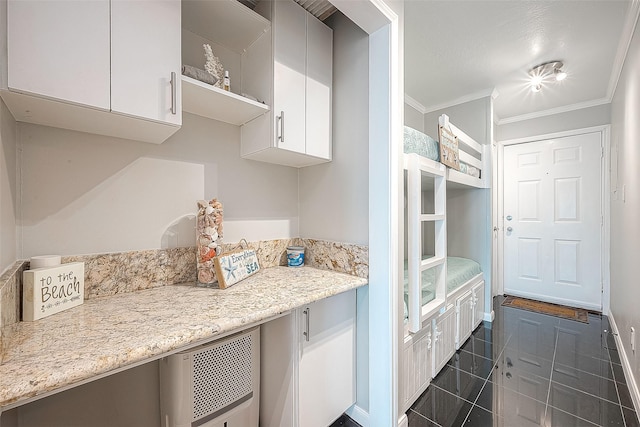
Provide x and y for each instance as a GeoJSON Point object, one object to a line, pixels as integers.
{"type": "Point", "coordinates": [230, 28]}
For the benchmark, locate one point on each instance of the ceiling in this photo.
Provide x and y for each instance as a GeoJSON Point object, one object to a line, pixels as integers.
{"type": "Point", "coordinates": [457, 51]}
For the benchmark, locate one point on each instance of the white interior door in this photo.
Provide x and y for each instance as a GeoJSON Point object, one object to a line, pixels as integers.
{"type": "Point", "coordinates": [552, 220]}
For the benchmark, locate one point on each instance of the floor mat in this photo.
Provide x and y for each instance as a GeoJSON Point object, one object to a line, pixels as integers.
{"type": "Point", "coordinates": [562, 311]}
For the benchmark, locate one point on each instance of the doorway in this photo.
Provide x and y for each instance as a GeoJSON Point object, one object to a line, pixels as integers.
{"type": "Point", "coordinates": [553, 219]}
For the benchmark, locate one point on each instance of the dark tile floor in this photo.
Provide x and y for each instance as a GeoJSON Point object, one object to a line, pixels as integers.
{"type": "Point", "coordinates": [528, 369]}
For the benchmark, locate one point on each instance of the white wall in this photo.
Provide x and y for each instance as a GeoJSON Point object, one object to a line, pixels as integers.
{"type": "Point", "coordinates": [473, 117]}
{"type": "Point", "coordinates": [85, 193]}
{"type": "Point", "coordinates": [570, 120]}
{"type": "Point", "coordinates": [8, 188]}
{"type": "Point", "coordinates": [334, 197]}
{"type": "Point", "coordinates": [625, 227]}
{"type": "Point", "coordinates": [467, 224]}
{"type": "Point", "coordinates": [413, 118]}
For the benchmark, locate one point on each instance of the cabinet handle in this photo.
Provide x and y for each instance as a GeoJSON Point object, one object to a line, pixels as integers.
{"type": "Point", "coordinates": [307, 314]}
{"type": "Point", "coordinates": [281, 120]}
{"type": "Point", "coordinates": [174, 92]}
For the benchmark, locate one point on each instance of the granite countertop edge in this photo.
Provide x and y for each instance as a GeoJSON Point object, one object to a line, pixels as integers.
{"type": "Point", "coordinates": [108, 334]}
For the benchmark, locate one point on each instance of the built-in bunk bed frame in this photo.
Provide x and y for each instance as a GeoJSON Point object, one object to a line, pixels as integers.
{"type": "Point", "coordinates": [435, 330]}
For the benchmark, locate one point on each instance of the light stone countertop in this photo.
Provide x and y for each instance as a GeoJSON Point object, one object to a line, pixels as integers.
{"type": "Point", "coordinates": [110, 333]}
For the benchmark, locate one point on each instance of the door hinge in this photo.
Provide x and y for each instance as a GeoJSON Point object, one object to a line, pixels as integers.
{"type": "Point", "coordinates": [601, 152]}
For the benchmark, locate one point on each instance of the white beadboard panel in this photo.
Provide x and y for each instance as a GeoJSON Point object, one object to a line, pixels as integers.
{"type": "Point", "coordinates": [89, 194]}
{"type": "Point", "coordinates": [8, 188]}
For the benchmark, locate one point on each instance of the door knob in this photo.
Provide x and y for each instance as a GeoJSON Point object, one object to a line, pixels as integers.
{"type": "Point", "coordinates": [509, 217]}
{"type": "Point", "coordinates": [509, 229]}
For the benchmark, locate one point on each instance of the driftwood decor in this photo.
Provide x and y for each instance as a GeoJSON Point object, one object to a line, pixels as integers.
{"type": "Point", "coordinates": [449, 153]}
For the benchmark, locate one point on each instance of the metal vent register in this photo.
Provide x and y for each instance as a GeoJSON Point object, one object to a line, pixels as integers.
{"type": "Point", "coordinates": [217, 382]}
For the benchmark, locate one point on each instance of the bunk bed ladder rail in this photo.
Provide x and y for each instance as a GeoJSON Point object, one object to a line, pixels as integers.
{"type": "Point", "coordinates": [416, 168]}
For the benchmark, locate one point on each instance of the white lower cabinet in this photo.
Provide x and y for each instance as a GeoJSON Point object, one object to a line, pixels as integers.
{"type": "Point", "coordinates": [478, 304]}
{"type": "Point", "coordinates": [308, 364]}
{"type": "Point", "coordinates": [417, 365]}
{"type": "Point", "coordinates": [464, 317]}
{"type": "Point", "coordinates": [443, 331]}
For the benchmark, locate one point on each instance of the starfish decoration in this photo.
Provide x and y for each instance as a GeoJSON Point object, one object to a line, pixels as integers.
{"type": "Point", "coordinates": [230, 269]}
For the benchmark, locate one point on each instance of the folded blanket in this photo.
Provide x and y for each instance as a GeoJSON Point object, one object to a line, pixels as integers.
{"type": "Point", "coordinates": [198, 74]}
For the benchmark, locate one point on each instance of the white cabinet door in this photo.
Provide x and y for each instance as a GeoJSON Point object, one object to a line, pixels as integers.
{"type": "Point", "coordinates": [327, 359]}
{"type": "Point", "coordinates": [318, 89]}
{"type": "Point", "coordinates": [145, 51]}
{"type": "Point", "coordinates": [417, 366]}
{"type": "Point", "coordinates": [444, 338]}
{"type": "Point", "coordinates": [464, 318]}
{"type": "Point", "coordinates": [478, 305]}
{"type": "Point", "coordinates": [60, 49]}
{"type": "Point", "coordinates": [289, 23]}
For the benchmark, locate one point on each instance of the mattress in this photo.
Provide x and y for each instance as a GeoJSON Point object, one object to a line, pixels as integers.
{"type": "Point", "coordinates": [422, 144]}
{"type": "Point", "coordinates": [459, 272]}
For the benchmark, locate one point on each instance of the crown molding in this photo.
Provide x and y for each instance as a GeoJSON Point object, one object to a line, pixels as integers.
{"type": "Point", "coordinates": [552, 111]}
{"type": "Point", "coordinates": [628, 29]}
{"type": "Point", "coordinates": [468, 98]}
{"type": "Point", "coordinates": [414, 104]}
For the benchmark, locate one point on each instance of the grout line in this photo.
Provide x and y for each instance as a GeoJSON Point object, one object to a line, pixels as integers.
{"type": "Point", "coordinates": [426, 418]}
{"type": "Point", "coordinates": [624, 420]}
{"type": "Point", "coordinates": [591, 372]}
{"type": "Point", "coordinates": [576, 416]}
{"type": "Point", "coordinates": [555, 349]}
{"type": "Point", "coordinates": [453, 394]}
{"type": "Point", "coordinates": [594, 395]}
{"type": "Point", "coordinates": [494, 363]}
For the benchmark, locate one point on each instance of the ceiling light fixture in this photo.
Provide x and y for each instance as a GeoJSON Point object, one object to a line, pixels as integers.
{"type": "Point", "coordinates": [543, 72]}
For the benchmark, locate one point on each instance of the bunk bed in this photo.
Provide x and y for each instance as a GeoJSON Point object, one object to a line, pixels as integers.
{"type": "Point", "coordinates": [444, 297]}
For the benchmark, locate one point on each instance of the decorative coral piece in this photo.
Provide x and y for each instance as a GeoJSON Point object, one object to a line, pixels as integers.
{"type": "Point", "coordinates": [213, 65]}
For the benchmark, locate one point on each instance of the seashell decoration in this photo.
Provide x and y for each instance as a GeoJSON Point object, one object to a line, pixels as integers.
{"type": "Point", "coordinates": [208, 238]}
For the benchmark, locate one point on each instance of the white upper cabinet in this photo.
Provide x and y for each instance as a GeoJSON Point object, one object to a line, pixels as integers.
{"type": "Point", "coordinates": [72, 64]}
{"type": "Point", "coordinates": [145, 59]}
{"type": "Point", "coordinates": [60, 50]}
{"type": "Point", "coordinates": [289, 51]}
{"type": "Point", "coordinates": [297, 131]}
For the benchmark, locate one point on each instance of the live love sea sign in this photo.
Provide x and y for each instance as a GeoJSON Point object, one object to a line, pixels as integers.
{"type": "Point", "coordinates": [51, 290]}
{"type": "Point", "coordinates": [233, 267]}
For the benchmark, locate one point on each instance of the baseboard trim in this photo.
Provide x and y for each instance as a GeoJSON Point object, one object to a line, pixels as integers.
{"type": "Point", "coordinates": [358, 415]}
{"type": "Point", "coordinates": [403, 421]}
{"type": "Point", "coordinates": [626, 365]}
{"type": "Point", "coordinates": [488, 317]}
